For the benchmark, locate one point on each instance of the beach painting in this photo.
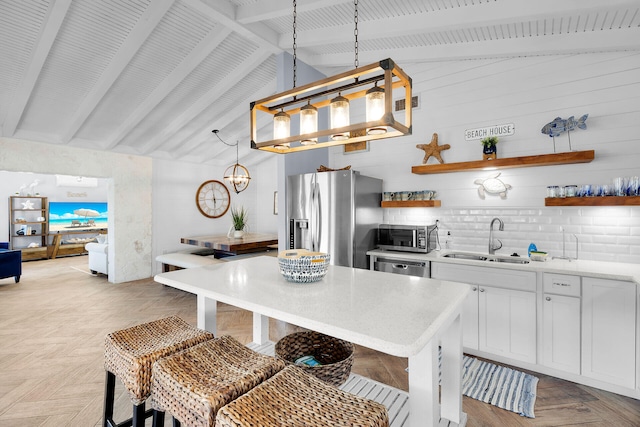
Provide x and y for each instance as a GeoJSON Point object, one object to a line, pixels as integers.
{"type": "Point", "coordinates": [79, 215]}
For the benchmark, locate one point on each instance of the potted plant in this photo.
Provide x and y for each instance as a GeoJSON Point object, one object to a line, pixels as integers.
{"type": "Point", "coordinates": [239, 218]}
{"type": "Point", "coordinates": [489, 151]}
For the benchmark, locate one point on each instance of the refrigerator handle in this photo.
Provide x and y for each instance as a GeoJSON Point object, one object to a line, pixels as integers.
{"type": "Point", "coordinates": [314, 215]}
{"type": "Point", "coordinates": [317, 208]}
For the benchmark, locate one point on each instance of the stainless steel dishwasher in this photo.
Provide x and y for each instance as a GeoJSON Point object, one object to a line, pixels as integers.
{"type": "Point", "coordinates": [402, 266]}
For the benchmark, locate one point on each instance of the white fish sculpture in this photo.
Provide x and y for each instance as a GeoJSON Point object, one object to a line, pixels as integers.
{"type": "Point", "coordinates": [492, 185]}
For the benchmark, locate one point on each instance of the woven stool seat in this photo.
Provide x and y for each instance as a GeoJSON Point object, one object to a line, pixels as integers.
{"type": "Point", "coordinates": [293, 398]}
{"type": "Point", "coordinates": [130, 353]}
{"type": "Point", "coordinates": [193, 384]}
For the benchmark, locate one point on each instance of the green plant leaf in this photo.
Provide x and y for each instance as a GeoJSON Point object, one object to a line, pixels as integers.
{"type": "Point", "coordinates": [239, 217]}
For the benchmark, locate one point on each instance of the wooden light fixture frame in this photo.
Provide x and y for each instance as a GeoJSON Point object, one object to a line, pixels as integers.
{"type": "Point", "coordinates": [392, 76]}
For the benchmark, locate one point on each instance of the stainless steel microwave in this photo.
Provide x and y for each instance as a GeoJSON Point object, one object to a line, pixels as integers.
{"type": "Point", "coordinates": [407, 238]}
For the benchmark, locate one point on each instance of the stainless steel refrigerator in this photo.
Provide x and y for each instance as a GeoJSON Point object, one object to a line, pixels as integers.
{"type": "Point", "coordinates": [334, 212]}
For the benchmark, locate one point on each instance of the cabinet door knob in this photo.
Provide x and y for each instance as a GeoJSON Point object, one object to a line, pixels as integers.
{"type": "Point", "coordinates": [474, 289]}
{"type": "Point", "coordinates": [481, 290]}
{"type": "Point", "coordinates": [548, 298]}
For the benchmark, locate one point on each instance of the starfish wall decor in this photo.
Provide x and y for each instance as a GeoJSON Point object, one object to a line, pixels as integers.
{"type": "Point", "coordinates": [433, 149]}
{"type": "Point", "coordinates": [28, 205]}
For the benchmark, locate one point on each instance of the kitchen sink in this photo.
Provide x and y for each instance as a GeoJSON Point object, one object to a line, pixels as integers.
{"type": "Point", "coordinates": [511, 260]}
{"type": "Point", "coordinates": [486, 257]}
{"type": "Point", "coordinates": [460, 255]}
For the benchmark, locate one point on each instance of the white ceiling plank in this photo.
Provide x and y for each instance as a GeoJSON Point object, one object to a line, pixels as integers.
{"type": "Point", "coordinates": [265, 10]}
{"type": "Point", "coordinates": [483, 15]}
{"type": "Point", "coordinates": [203, 102]}
{"type": "Point", "coordinates": [148, 21]}
{"type": "Point", "coordinates": [224, 12]}
{"type": "Point", "coordinates": [581, 42]}
{"type": "Point", "coordinates": [53, 22]}
{"type": "Point", "coordinates": [190, 62]}
{"type": "Point", "coordinates": [203, 135]}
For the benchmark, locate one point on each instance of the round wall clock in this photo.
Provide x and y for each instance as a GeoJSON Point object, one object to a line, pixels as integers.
{"type": "Point", "coordinates": [212, 199]}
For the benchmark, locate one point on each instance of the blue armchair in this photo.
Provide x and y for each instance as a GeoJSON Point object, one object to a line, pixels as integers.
{"type": "Point", "coordinates": [10, 262]}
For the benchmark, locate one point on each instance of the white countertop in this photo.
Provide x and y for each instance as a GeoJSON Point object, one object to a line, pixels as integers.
{"type": "Point", "coordinates": [391, 313]}
{"type": "Point", "coordinates": [598, 269]}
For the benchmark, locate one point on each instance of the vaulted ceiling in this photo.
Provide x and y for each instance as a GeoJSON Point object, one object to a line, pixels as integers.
{"type": "Point", "coordinates": [154, 77]}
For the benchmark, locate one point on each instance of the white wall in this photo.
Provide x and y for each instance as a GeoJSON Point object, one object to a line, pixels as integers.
{"type": "Point", "coordinates": [176, 214]}
{"type": "Point", "coordinates": [530, 92]}
{"type": "Point", "coordinates": [129, 195]}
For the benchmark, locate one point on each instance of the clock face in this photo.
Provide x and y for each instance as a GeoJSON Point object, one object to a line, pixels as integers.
{"type": "Point", "coordinates": [212, 199]}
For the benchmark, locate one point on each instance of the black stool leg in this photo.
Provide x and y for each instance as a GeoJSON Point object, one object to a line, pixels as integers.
{"type": "Point", "coordinates": [158, 418]}
{"type": "Point", "coordinates": [109, 390]}
{"type": "Point", "coordinates": [138, 415]}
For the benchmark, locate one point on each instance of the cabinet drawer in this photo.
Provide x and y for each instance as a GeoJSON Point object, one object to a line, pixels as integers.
{"type": "Point", "coordinates": [489, 276]}
{"type": "Point", "coordinates": [561, 284]}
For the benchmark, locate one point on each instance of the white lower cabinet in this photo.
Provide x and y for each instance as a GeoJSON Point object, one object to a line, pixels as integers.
{"type": "Point", "coordinates": [507, 325]}
{"type": "Point", "coordinates": [609, 331]}
{"type": "Point", "coordinates": [561, 332]}
{"type": "Point", "coordinates": [561, 322]}
{"type": "Point", "coordinates": [499, 316]}
{"type": "Point", "coordinates": [589, 326]}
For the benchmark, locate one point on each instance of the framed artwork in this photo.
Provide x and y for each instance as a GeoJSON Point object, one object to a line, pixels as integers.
{"type": "Point", "coordinates": [275, 203]}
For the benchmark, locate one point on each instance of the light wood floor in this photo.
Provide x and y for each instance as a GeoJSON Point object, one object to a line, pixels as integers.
{"type": "Point", "coordinates": [52, 328]}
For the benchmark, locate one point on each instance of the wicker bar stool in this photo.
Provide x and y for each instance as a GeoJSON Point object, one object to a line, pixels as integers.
{"type": "Point", "coordinates": [295, 398]}
{"type": "Point", "coordinates": [194, 384]}
{"type": "Point", "coordinates": [130, 354]}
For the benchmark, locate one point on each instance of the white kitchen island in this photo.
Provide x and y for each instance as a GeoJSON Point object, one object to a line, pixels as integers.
{"type": "Point", "coordinates": [399, 315]}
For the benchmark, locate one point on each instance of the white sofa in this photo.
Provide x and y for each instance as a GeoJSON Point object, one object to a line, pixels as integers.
{"type": "Point", "coordinates": [98, 255]}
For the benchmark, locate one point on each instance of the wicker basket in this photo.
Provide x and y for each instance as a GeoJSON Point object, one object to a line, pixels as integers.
{"type": "Point", "coordinates": [335, 356]}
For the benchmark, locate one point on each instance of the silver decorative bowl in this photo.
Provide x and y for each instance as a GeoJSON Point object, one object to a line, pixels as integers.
{"type": "Point", "coordinates": [303, 266]}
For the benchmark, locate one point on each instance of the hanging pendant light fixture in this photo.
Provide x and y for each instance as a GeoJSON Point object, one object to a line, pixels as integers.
{"type": "Point", "coordinates": [339, 117]}
{"type": "Point", "coordinates": [281, 125]}
{"type": "Point", "coordinates": [236, 175]}
{"type": "Point", "coordinates": [377, 83]}
{"type": "Point", "coordinates": [375, 109]}
{"type": "Point", "coordinates": [308, 123]}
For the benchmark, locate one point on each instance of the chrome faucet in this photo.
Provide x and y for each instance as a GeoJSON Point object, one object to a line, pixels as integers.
{"type": "Point", "coordinates": [564, 254]}
{"type": "Point", "coordinates": [492, 248]}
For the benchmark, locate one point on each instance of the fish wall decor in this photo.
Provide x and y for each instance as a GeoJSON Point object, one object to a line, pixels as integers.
{"type": "Point", "coordinates": [558, 125]}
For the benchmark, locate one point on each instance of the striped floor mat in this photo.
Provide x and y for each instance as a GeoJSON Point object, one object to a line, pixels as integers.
{"type": "Point", "coordinates": [499, 386]}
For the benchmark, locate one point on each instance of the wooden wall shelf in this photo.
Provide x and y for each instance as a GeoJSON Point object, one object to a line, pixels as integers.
{"type": "Point", "coordinates": [593, 201]}
{"type": "Point", "coordinates": [411, 204]}
{"type": "Point", "coordinates": [513, 162]}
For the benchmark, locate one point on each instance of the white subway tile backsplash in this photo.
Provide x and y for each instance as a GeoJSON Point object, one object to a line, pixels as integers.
{"type": "Point", "coordinates": [603, 239]}
{"type": "Point", "coordinates": [610, 234]}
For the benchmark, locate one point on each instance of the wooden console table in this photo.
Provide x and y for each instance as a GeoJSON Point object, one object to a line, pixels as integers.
{"type": "Point", "coordinates": [250, 242]}
{"type": "Point", "coordinates": [57, 248]}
